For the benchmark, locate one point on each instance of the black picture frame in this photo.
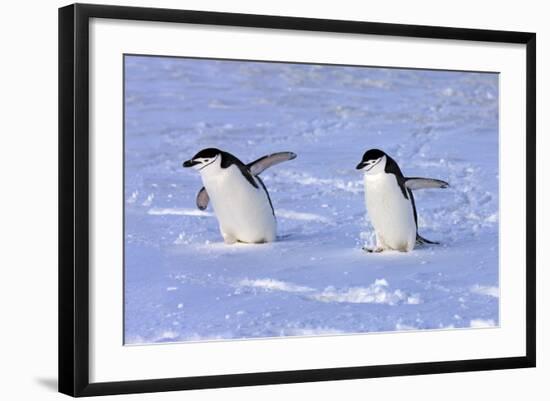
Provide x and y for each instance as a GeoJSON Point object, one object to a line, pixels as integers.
{"type": "Point", "coordinates": [74, 198]}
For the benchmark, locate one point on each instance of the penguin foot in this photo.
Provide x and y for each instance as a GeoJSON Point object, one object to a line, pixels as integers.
{"type": "Point", "coordinates": [229, 239]}
{"type": "Point", "coordinates": [373, 250]}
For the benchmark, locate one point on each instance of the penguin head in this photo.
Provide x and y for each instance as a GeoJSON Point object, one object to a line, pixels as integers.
{"type": "Point", "coordinates": [204, 159]}
{"type": "Point", "coordinates": [373, 162]}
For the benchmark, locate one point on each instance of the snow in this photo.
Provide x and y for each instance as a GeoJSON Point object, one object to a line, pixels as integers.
{"type": "Point", "coordinates": [270, 284]}
{"type": "Point", "coordinates": [376, 293]}
{"type": "Point", "coordinates": [482, 323]}
{"type": "Point", "coordinates": [289, 214]}
{"type": "Point", "coordinates": [486, 290]}
{"type": "Point", "coordinates": [182, 283]}
{"type": "Point", "coordinates": [178, 212]}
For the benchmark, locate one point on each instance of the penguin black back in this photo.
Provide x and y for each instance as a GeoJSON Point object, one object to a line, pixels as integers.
{"type": "Point", "coordinates": [229, 160]}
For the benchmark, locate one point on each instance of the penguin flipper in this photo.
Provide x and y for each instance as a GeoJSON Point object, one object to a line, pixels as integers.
{"type": "Point", "coordinates": [421, 240]}
{"type": "Point", "coordinates": [421, 183]}
{"type": "Point", "coordinates": [264, 162]}
{"type": "Point", "coordinates": [202, 199]}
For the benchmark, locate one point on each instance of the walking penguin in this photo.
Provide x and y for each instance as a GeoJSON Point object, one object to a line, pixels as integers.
{"type": "Point", "coordinates": [239, 197]}
{"type": "Point", "coordinates": [390, 202]}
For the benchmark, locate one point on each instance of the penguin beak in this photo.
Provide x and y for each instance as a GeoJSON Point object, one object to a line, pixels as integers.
{"type": "Point", "coordinates": [361, 165]}
{"type": "Point", "coordinates": [190, 163]}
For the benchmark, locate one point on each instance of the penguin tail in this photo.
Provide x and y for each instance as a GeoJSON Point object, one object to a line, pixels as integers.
{"type": "Point", "coordinates": [421, 240]}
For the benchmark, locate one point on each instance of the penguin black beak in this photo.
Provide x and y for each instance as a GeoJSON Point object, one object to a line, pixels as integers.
{"type": "Point", "coordinates": [190, 163]}
{"type": "Point", "coordinates": [361, 165]}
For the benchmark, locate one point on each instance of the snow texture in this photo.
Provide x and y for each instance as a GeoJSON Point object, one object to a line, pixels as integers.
{"type": "Point", "coordinates": [182, 283]}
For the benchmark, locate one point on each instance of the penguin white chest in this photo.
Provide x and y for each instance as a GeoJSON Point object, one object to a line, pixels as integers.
{"type": "Point", "coordinates": [243, 211]}
{"type": "Point", "coordinates": [391, 214]}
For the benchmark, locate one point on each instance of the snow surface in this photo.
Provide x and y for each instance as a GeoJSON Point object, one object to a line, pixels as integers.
{"type": "Point", "coordinates": [183, 283]}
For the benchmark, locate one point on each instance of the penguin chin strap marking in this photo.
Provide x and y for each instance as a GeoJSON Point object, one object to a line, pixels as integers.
{"type": "Point", "coordinates": [215, 158]}
{"type": "Point", "coordinates": [371, 166]}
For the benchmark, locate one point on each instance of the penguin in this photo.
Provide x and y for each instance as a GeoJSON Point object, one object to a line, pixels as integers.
{"type": "Point", "coordinates": [390, 202]}
{"type": "Point", "coordinates": [239, 197]}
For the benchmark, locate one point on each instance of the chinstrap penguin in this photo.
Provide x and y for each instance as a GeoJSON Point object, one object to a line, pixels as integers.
{"type": "Point", "coordinates": [239, 197]}
{"type": "Point", "coordinates": [390, 202]}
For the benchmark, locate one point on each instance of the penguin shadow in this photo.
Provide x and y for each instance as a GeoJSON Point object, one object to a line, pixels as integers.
{"type": "Point", "coordinates": [284, 237]}
{"type": "Point", "coordinates": [424, 247]}
{"type": "Point", "coordinates": [292, 237]}
{"type": "Point", "coordinates": [296, 237]}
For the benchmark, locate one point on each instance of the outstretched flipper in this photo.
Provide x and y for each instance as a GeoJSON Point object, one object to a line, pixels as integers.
{"type": "Point", "coordinates": [202, 199]}
{"type": "Point", "coordinates": [421, 183]}
{"type": "Point", "coordinates": [264, 162]}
